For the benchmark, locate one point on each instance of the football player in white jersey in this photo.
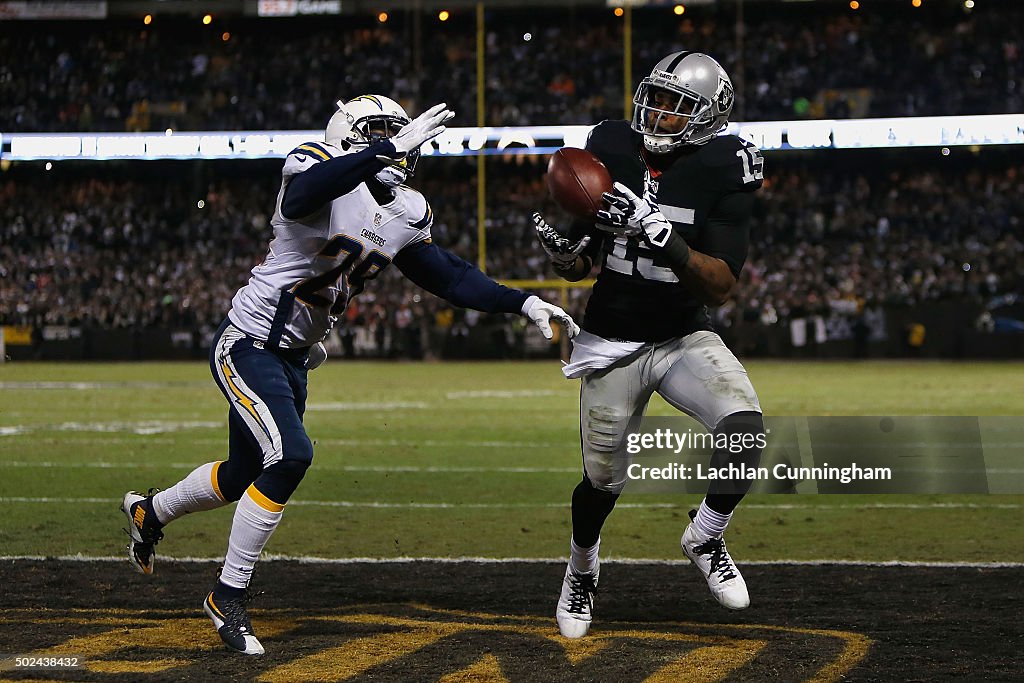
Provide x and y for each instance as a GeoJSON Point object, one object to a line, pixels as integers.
{"type": "Point", "coordinates": [343, 215]}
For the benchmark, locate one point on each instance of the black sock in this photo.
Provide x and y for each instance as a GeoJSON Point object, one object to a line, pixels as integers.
{"type": "Point", "coordinates": [725, 494]}
{"type": "Point", "coordinates": [590, 507]}
{"type": "Point", "coordinates": [224, 592]}
{"type": "Point", "coordinates": [150, 521]}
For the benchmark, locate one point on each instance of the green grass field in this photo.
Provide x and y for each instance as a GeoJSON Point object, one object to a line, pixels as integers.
{"type": "Point", "coordinates": [421, 459]}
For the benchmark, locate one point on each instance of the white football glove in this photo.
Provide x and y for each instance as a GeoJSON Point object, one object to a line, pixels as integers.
{"type": "Point", "coordinates": [426, 126]}
{"type": "Point", "coordinates": [317, 356]}
{"type": "Point", "coordinates": [562, 251]}
{"type": "Point", "coordinates": [541, 313]}
{"type": "Point", "coordinates": [628, 215]}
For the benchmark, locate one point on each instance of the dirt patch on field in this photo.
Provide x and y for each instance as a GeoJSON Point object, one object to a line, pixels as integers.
{"type": "Point", "coordinates": [493, 622]}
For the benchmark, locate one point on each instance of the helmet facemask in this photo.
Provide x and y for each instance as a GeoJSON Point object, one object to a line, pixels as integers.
{"type": "Point", "coordinates": [374, 129]}
{"type": "Point", "coordinates": [686, 100]}
{"type": "Point", "coordinates": [369, 119]}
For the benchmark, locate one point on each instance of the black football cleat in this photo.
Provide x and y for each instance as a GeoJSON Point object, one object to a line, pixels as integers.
{"type": "Point", "coordinates": [231, 620]}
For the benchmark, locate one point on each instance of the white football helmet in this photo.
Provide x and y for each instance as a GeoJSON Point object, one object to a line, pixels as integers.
{"type": "Point", "coordinates": [687, 85]}
{"type": "Point", "coordinates": [367, 119]}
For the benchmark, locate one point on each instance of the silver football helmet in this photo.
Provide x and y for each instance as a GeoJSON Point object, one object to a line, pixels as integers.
{"type": "Point", "coordinates": [367, 119]}
{"type": "Point", "coordinates": [686, 100]}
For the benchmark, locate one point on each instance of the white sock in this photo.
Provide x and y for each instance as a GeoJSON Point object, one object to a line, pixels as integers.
{"type": "Point", "coordinates": [198, 491]}
{"type": "Point", "coordinates": [256, 517]}
{"type": "Point", "coordinates": [584, 560]}
{"type": "Point", "coordinates": [709, 522]}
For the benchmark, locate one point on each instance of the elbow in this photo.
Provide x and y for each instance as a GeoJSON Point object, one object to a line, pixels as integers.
{"type": "Point", "coordinates": [292, 209]}
{"type": "Point", "coordinates": [716, 296]}
{"type": "Point", "coordinates": [717, 299]}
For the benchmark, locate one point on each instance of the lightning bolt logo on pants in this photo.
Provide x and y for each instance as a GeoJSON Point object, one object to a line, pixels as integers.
{"type": "Point", "coordinates": [242, 399]}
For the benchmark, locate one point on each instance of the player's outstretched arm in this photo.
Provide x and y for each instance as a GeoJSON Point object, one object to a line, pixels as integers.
{"type": "Point", "coordinates": [324, 182]}
{"type": "Point", "coordinates": [569, 258]}
{"type": "Point", "coordinates": [444, 274]}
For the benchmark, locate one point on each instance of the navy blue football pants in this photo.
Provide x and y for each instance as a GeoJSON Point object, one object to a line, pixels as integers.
{"type": "Point", "coordinates": [266, 389]}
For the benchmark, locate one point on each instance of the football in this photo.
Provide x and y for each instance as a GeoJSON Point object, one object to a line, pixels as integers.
{"type": "Point", "coordinates": [576, 179]}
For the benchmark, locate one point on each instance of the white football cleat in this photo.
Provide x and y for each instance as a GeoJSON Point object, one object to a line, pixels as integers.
{"type": "Point", "coordinates": [712, 559]}
{"type": "Point", "coordinates": [576, 604]}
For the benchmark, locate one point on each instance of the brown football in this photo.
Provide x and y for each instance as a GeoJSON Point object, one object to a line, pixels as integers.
{"type": "Point", "coordinates": [576, 179]}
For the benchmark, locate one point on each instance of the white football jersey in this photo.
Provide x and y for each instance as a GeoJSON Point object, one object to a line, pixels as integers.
{"type": "Point", "coordinates": [316, 264]}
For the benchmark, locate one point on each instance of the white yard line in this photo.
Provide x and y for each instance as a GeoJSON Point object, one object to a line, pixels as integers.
{"type": "Point", "coordinates": [564, 504]}
{"type": "Point", "coordinates": [494, 393]}
{"type": "Point", "coordinates": [383, 405]}
{"type": "Point", "coordinates": [90, 386]}
{"type": "Point", "coordinates": [386, 469]}
{"type": "Point", "coordinates": [144, 427]}
{"type": "Point", "coordinates": [305, 559]}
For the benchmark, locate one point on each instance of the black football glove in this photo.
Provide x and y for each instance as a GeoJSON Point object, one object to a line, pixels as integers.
{"type": "Point", "coordinates": [562, 251]}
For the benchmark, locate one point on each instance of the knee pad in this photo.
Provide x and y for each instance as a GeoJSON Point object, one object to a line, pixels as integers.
{"type": "Point", "coordinates": [604, 429]}
{"type": "Point", "coordinates": [279, 481]}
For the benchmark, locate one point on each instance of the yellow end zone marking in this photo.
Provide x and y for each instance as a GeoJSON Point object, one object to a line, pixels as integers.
{"type": "Point", "coordinates": [709, 663]}
{"type": "Point", "coordinates": [487, 669]}
{"type": "Point", "coordinates": [356, 656]}
{"type": "Point", "coordinates": [578, 650]}
{"type": "Point", "coordinates": [721, 650]}
{"type": "Point", "coordinates": [179, 634]}
{"type": "Point", "coordinates": [135, 666]}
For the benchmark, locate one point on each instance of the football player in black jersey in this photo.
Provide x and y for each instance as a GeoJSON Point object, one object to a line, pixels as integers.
{"type": "Point", "coordinates": [672, 239]}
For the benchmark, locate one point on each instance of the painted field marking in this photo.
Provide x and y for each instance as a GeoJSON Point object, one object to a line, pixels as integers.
{"type": "Point", "coordinates": [89, 386]}
{"type": "Point", "coordinates": [563, 504]}
{"type": "Point", "coordinates": [383, 405]}
{"type": "Point", "coordinates": [143, 427]}
{"type": "Point", "coordinates": [310, 559]}
{"type": "Point", "coordinates": [372, 636]}
{"type": "Point", "coordinates": [372, 443]}
{"type": "Point", "coordinates": [496, 393]}
{"type": "Point", "coordinates": [44, 464]}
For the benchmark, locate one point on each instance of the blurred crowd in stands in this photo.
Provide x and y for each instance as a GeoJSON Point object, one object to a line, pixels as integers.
{"type": "Point", "coordinates": [543, 65]}
{"type": "Point", "coordinates": [833, 244]}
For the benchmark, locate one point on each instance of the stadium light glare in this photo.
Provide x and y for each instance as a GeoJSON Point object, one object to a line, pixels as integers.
{"type": "Point", "coordinates": [443, 15]}
{"type": "Point", "coordinates": [207, 19]}
{"type": "Point", "coordinates": [678, 9]}
{"type": "Point", "coordinates": [619, 11]}
{"type": "Point", "coordinates": [382, 17]}
{"type": "Point", "coordinates": [148, 19]}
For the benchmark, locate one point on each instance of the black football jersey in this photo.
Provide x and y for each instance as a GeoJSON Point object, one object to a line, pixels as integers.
{"type": "Point", "coordinates": [705, 191]}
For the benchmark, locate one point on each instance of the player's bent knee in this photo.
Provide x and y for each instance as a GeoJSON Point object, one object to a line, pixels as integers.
{"type": "Point", "coordinates": [279, 481]}
{"type": "Point", "coordinates": [234, 477]}
{"type": "Point", "coordinates": [604, 479]}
